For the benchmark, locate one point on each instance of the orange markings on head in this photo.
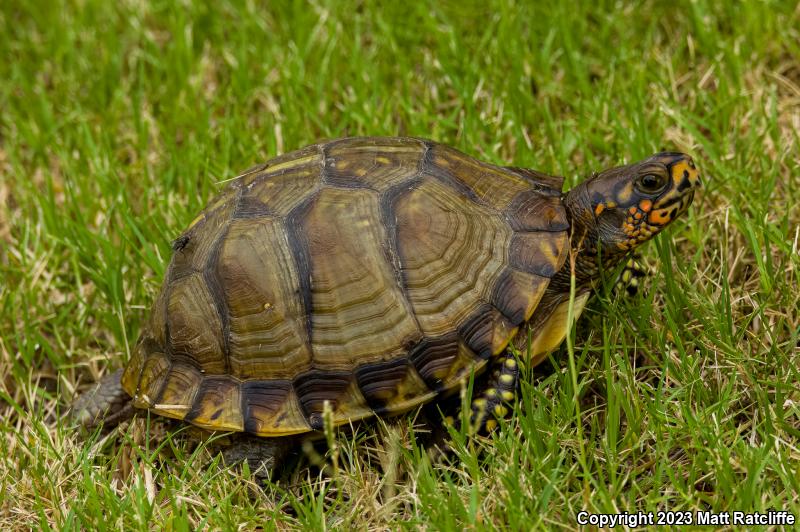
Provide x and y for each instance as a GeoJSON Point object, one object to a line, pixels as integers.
{"type": "Point", "coordinates": [633, 209]}
{"type": "Point", "coordinates": [679, 168]}
{"type": "Point", "coordinates": [646, 205]}
{"type": "Point", "coordinates": [659, 217]}
{"type": "Point", "coordinates": [638, 215]}
{"type": "Point", "coordinates": [600, 207]}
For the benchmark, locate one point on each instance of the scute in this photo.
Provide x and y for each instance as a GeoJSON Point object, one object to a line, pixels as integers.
{"type": "Point", "coordinates": [368, 162]}
{"type": "Point", "coordinates": [217, 405]}
{"type": "Point", "coordinates": [267, 328]}
{"type": "Point", "coordinates": [451, 251]}
{"type": "Point", "coordinates": [194, 324]}
{"type": "Point", "coordinates": [354, 290]}
{"type": "Point", "coordinates": [355, 277]}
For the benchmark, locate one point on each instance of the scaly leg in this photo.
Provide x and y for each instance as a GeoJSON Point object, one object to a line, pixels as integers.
{"type": "Point", "coordinates": [263, 455]}
{"type": "Point", "coordinates": [502, 387]}
{"type": "Point", "coordinates": [104, 403]}
{"type": "Point", "coordinates": [635, 270]}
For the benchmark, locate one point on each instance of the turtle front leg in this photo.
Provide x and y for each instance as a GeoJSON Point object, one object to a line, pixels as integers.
{"type": "Point", "coordinates": [104, 403]}
{"type": "Point", "coordinates": [502, 387]}
{"type": "Point", "coordinates": [634, 271]}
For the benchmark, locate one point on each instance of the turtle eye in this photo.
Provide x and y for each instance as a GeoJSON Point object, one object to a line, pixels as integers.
{"type": "Point", "coordinates": [651, 183]}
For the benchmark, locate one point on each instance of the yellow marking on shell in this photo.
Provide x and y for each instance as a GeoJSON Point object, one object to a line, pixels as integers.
{"type": "Point", "coordinates": [342, 164]}
{"type": "Point", "coordinates": [549, 253]}
{"type": "Point", "coordinates": [479, 403]}
{"type": "Point", "coordinates": [441, 161]}
{"type": "Point", "coordinates": [505, 338]}
{"type": "Point", "coordinates": [626, 276]}
{"type": "Point", "coordinates": [507, 379]}
{"type": "Point", "coordinates": [361, 172]}
{"type": "Point", "coordinates": [551, 333]}
{"type": "Point", "coordinates": [500, 410]}
{"type": "Point", "coordinates": [600, 207]}
{"type": "Point", "coordinates": [490, 425]}
{"type": "Point", "coordinates": [611, 204]}
{"type": "Point", "coordinates": [267, 305]}
{"type": "Point", "coordinates": [163, 406]}
{"type": "Point", "coordinates": [449, 421]}
{"type": "Point", "coordinates": [383, 160]}
{"type": "Point", "coordinates": [491, 392]}
{"type": "Point", "coordinates": [293, 163]}
{"type": "Point", "coordinates": [510, 363]}
{"type": "Point", "coordinates": [196, 220]}
{"type": "Point", "coordinates": [507, 395]}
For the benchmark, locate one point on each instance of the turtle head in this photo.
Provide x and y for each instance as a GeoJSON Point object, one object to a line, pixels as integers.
{"type": "Point", "coordinates": [623, 207]}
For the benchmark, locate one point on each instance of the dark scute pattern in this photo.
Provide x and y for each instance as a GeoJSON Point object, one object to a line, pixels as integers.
{"type": "Point", "coordinates": [250, 207]}
{"type": "Point", "coordinates": [213, 400]}
{"type": "Point", "coordinates": [538, 253]}
{"type": "Point", "coordinates": [315, 387]}
{"type": "Point", "coordinates": [444, 176]}
{"type": "Point", "coordinates": [298, 243]}
{"type": "Point", "coordinates": [262, 400]}
{"type": "Point", "coordinates": [507, 298]}
{"type": "Point", "coordinates": [372, 162]}
{"type": "Point", "coordinates": [545, 183]}
{"type": "Point", "coordinates": [198, 241]}
{"type": "Point", "coordinates": [389, 221]}
{"type": "Point", "coordinates": [433, 357]}
{"type": "Point", "coordinates": [378, 382]}
{"type": "Point", "coordinates": [484, 329]}
{"type": "Point", "coordinates": [532, 210]}
{"type": "Point", "coordinates": [220, 305]}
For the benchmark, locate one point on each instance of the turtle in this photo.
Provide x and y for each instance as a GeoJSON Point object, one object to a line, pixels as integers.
{"type": "Point", "coordinates": [368, 276]}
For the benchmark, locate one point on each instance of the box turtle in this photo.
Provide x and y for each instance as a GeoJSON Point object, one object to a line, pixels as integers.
{"type": "Point", "coordinates": [368, 276]}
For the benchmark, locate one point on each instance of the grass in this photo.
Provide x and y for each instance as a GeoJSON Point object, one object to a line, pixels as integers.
{"type": "Point", "coordinates": [118, 121]}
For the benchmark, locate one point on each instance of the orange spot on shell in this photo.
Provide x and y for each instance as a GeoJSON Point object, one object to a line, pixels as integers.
{"type": "Point", "coordinates": [646, 205]}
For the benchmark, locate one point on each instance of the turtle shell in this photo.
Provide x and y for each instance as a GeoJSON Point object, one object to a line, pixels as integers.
{"type": "Point", "coordinates": [363, 275]}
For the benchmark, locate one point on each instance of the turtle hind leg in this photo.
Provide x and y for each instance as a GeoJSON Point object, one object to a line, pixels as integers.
{"type": "Point", "coordinates": [264, 456]}
{"type": "Point", "coordinates": [500, 391]}
{"type": "Point", "coordinates": [105, 403]}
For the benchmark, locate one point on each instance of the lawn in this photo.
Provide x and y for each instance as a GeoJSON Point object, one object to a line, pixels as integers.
{"type": "Point", "coordinates": [119, 121]}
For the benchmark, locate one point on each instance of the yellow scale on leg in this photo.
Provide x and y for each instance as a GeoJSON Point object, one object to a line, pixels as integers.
{"type": "Point", "coordinates": [502, 387]}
